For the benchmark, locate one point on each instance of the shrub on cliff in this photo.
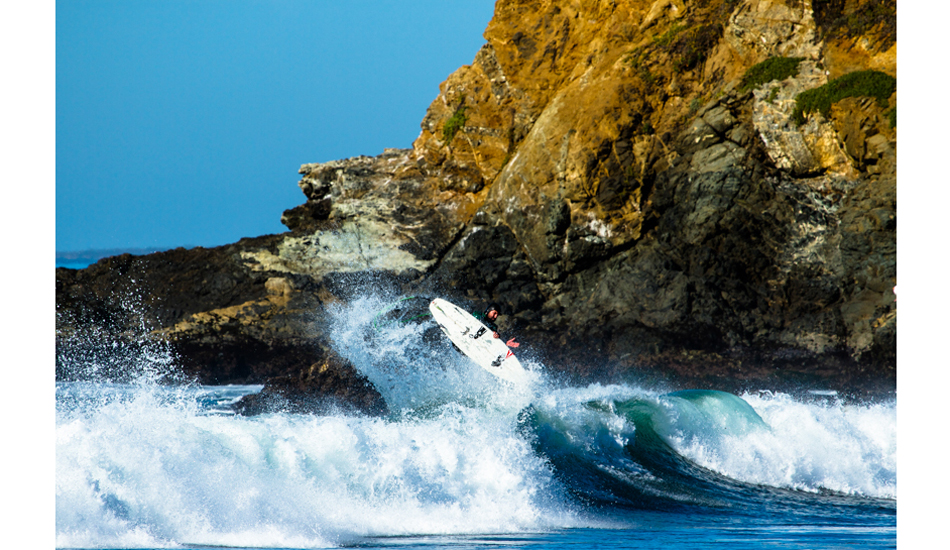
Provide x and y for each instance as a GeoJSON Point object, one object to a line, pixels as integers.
{"type": "Point", "coordinates": [453, 124]}
{"type": "Point", "coordinates": [857, 84]}
{"type": "Point", "coordinates": [665, 39]}
{"type": "Point", "coordinates": [773, 68]}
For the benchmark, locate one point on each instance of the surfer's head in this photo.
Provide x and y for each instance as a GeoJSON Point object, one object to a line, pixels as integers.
{"type": "Point", "coordinates": [491, 313]}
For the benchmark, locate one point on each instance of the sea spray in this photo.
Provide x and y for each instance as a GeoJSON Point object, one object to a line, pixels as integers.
{"type": "Point", "coordinates": [154, 469]}
{"type": "Point", "coordinates": [413, 365]}
{"type": "Point", "coordinates": [115, 343]}
{"type": "Point", "coordinates": [144, 463]}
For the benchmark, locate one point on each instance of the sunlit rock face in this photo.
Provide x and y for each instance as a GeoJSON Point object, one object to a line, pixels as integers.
{"type": "Point", "coordinates": [603, 173]}
{"type": "Point", "coordinates": [662, 207]}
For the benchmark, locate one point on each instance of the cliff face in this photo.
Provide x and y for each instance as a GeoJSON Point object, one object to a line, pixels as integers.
{"type": "Point", "coordinates": [659, 201]}
{"type": "Point", "coordinates": [625, 182]}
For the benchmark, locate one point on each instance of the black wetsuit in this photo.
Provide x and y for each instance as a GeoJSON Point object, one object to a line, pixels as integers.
{"type": "Point", "coordinates": [490, 324]}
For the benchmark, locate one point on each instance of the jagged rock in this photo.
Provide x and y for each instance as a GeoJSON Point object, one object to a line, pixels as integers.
{"type": "Point", "coordinates": [610, 184]}
{"type": "Point", "coordinates": [765, 28]}
{"type": "Point", "coordinates": [307, 216]}
{"type": "Point", "coordinates": [673, 9]}
{"type": "Point", "coordinates": [717, 158]}
{"type": "Point", "coordinates": [380, 215]}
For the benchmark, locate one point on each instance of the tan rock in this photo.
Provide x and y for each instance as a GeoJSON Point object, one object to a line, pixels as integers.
{"type": "Point", "coordinates": [672, 9]}
{"type": "Point", "coordinates": [278, 286]}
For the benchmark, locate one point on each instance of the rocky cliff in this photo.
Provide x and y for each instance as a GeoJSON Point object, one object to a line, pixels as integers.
{"type": "Point", "coordinates": [696, 192]}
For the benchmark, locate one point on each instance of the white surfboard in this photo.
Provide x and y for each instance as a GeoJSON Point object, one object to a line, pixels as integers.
{"type": "Point", "coordinates": [477, 341]}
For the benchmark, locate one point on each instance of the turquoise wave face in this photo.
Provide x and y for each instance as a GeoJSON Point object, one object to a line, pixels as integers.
{"type": "Point", "coordinates": [152, 465]}
{"type": "Point", "coordinates": [151, 462]}
{"type": "Point", "coordinates": [703, 415]}
{"type": "Point", "coordinates": [708, 450]}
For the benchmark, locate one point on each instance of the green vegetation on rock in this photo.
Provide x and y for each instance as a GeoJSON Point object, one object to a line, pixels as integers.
{"type": "Point", "coordinates": [773, 68]}
{"type": "Point", "coordinates": [666, 38]}
{"type": "Point", "coordinates": [454, 124]}
{"type": "Point", "coordinates": [683, 46]}
{"type": "Point", "coordinates": [857, 84]}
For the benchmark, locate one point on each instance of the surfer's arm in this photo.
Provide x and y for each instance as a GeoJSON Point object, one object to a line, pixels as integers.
{"type": "Point", "coordinates": [494, 328]}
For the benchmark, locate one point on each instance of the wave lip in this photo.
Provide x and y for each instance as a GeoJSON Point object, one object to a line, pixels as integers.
{"type": "Point", "coordinates": [141, 462]}
{"type": "Point", "coordinates": [702, 448]}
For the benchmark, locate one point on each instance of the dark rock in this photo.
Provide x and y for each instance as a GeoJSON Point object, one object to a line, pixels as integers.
{"type": "Point", "coordinates": [213, 308]}
{"type": "Point", "coordinates": [333, 385]}
{"type": "Point", "coordinates": [307, 216]}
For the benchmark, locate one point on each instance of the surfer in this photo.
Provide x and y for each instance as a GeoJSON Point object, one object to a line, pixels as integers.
{"type": "Point", "coordinates": [488, 319]}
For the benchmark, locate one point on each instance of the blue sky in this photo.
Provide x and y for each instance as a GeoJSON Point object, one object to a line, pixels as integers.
{"type": "Point", "coordinates": [183, 122]}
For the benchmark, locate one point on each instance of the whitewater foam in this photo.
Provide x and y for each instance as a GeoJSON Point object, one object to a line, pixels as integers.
{"type": "Point", "coordinates": [412, 374]}
{"type": "Point", "coordinates": [143, 464]}
{"type": "Point", "coordinates": [810, 446]}
{"type": "Point", "coordinates": [153, 471]}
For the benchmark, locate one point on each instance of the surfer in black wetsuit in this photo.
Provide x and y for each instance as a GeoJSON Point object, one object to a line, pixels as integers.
{"type": "Point", "coordinates": [488, 319]}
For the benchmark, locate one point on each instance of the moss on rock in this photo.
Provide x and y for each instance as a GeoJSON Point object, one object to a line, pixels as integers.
{"type": "Point", "coordinates": [869, 83]}
{"type": "Point", "coordinates": [454, 124]}
{"type": "Point", "coordinates": [773, 68]}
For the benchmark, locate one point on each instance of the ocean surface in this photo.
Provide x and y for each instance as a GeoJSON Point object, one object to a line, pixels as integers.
{"type": "Point", "coordinates": [80, 264]}
{"type": "Point", "coordinates": [84, 258]}
{"type": "Point", "coordinates": [149, 459]}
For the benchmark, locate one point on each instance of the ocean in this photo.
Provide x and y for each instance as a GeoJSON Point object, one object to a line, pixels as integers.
{"type": "Point", "coordinates": [150, 459]}
{"type": "Point", "coordinates": [84, 258]}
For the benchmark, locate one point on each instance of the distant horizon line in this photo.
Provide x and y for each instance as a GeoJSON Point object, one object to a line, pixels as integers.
{"type": "Point", "coordinates": [106, 252]}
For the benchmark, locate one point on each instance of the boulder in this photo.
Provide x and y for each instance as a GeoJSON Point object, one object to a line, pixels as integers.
{"type": "Point", "coordinates": [332, 385]}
